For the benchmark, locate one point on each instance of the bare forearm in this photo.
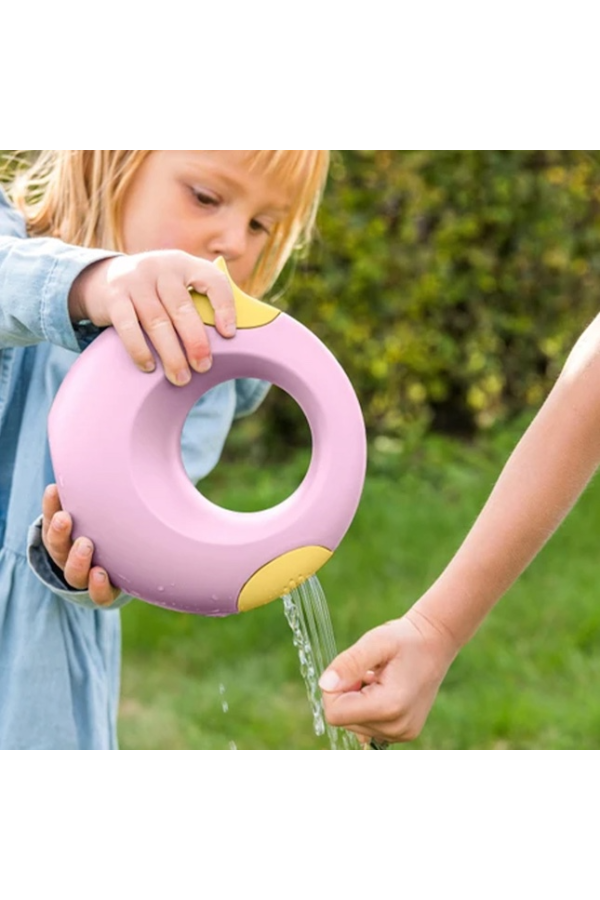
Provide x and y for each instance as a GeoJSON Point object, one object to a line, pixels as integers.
{"type": "Point", "coordinates": [542, 480]}
{"type": "Point", "coordinates": [402, 663]}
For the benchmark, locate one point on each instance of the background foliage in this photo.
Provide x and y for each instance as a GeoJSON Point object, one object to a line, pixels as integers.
{"type": "Point", "coordinates": [450, 284]}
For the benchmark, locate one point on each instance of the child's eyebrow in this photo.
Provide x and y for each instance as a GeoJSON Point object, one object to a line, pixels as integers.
{"type": "Point", "coordinates": [200, 168]}
{"type": "Point", "coordinates": [278, 210]}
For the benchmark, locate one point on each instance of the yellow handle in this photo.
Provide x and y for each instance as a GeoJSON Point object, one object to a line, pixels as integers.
{"type": "Point", "coordinates": [250, 313]}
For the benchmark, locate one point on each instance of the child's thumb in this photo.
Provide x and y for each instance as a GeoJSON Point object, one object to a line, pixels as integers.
{"type": "Point", "coordinates": [354, 667]}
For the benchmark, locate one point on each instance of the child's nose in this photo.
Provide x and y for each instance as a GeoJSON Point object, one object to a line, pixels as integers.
{"type": "Point", "coordinates": [230, 242]}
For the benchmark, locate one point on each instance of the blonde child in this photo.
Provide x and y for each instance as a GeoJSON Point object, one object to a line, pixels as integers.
{"type": "Point", "coordinates": [383, 687]}
{"type": "Point", "coordinates": [94, 238]}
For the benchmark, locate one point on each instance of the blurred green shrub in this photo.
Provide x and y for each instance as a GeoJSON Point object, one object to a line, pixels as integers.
{"type": "Point", "coordinates": [451, 284]}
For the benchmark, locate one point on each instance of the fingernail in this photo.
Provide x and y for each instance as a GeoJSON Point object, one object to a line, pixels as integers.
{"type": "Point", "coordinates": [229, 329]}
{"type": "Point", "coordinates": [149, 367]}
{"type": "Point", "coordinates": [59, 523]}
{"type": "Point", "coordinates": [183, 377]}
{"type": "Point", "coordinates": [100, 577]}
{"type": "Point", "coordinates": [84, 548]}
{"type": "Point", "coordinates": [330, 681]}
{"type": "Point", "coordinates": [204, 364]}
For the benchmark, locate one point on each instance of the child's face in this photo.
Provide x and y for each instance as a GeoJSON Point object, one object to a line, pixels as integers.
{"type": "Point", "coordinates": [205, 202]}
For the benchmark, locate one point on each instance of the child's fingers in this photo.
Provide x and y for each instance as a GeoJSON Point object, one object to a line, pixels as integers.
{"type": "Point", "coordinates": [57, 537]}
{"type": "Point", "coordinates": [51, 501]}
{"type": "Point", "coordinates": [124, 318]}
{"type": "Point", "coordinates": [78, 563]}
{"type": "Point", "coordinates": [75, 559]}
{"type": "Point", "coordinates": [50, 506]}
{"type": "Point", "coordinates": [155, 319]}
{"type": "Point", "coordinates": [372, 704]}
{"type": "Point", "coordinates": [207, 279]}
{"type": "Point", "coordinates": [190, 328]}
{"type": "Point", "coordinates": [358, 663]}
{"type": "Point", "coordinates": [172, 325]}
{"type": "Point", "coordinates": [102, 592]}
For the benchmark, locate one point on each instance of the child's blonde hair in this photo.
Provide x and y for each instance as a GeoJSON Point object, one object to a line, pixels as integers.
{"type": "Point", "coordinates": [77, 196]}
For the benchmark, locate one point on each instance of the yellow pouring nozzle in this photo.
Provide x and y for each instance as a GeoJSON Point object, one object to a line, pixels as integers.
{"type": "Point", "coordinates": [281, 575]}
{"type": "Point", "coordinates": [250, 313]}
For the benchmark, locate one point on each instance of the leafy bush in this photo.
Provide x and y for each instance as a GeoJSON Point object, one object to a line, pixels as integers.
{"type": "Point", "coordinates": [451, 284]}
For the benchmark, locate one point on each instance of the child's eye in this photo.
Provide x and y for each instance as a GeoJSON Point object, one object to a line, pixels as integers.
{"type": "Point", "coordinates": [205, 199]}
{"type": "Point", "coordinates": [259, 227]}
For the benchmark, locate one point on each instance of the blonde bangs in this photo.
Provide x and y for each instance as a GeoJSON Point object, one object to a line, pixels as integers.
{"type": "Point", "coordinates": [305, 173]}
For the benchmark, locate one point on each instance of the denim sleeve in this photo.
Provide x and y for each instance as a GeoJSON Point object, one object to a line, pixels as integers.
{"type": "Point", "coordinates": [249, 394]}
{"type": "Point", "coordinates": [48, 574]}
{"type": "Point", "coordinates": [36, 275]}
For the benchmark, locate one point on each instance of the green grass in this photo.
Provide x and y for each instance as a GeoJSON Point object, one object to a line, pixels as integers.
{"type": "Point", "coordinates": [530, 679]}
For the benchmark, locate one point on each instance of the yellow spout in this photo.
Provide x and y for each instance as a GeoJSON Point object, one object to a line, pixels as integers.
{"type": "Point", "coordinates": [281, 575]}
{"type": "Point", "coordinates": [250, 313]}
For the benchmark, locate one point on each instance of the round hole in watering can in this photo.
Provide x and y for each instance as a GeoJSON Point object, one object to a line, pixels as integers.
{"type": "Point", "coordinates": [265, 457]}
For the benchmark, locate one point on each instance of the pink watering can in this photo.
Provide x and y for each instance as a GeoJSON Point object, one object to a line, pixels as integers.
{"type": "Point", "coordinates": [126, 488]}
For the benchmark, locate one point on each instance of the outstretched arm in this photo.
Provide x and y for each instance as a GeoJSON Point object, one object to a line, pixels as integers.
{"type": "Point", "coordinates": [543, 478]}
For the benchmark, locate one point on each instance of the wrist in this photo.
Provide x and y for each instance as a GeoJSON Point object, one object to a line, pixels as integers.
{"type": "Point", "coordinates": [82, 287]}
{"type": "Point", "coordinates": [443, 643]}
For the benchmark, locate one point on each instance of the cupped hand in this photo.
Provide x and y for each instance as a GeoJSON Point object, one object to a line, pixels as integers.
{"type": "Point", "coordinates": [73, 557]}
{"type": "Point", "coordinates": [384, 686]}
{"type": "Point", "coordinates": [148, 292]}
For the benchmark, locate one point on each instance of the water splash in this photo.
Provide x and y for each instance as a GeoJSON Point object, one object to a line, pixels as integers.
{"type": "Point", "coordinates": [225, 708]}
{"type": "Point", "coordinates": [308, 616]}
{"type": "Point", "coordinates": [224, 703]}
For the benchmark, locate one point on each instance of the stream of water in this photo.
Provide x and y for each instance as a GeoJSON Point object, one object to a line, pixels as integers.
{"type": "Point", "coordinates": [308, 616]}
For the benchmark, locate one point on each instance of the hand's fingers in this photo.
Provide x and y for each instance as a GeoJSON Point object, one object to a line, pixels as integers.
{"type": "Point", "coordinates": [372, 705]}
{"type": "Point", "coordinates": [377, 741]}
{"type": "Point", "coordinates": [57, 539]}
{"type": "Point", "coordinates": [78, 563]}
{"type": "Point", "coordinates": [207, 279]}
{"type": "Point", "coordinates": [156, 321]}
{"type": "Point", "coordinates": [78, 573]}
{"type": "Point", "coordinates": [102, 592]}
{"type": "Point", "coordinates": [176, 299]}
{"type": "Point", "coordinates": [125, 320]}
{"type": "Point", "coordinates": [357, 664]}
{"type": "Point", "coordinates": [146, 313]}
{"type": "Point", "coordinates": [50, 506]}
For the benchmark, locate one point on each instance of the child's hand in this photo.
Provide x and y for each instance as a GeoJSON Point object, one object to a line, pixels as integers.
{"type": "Point", "coordinates": [384, 686]}
{"type": "Point", "coordinates": [149, 291]}
{"type": "Point", "coordinates": [75, 559]}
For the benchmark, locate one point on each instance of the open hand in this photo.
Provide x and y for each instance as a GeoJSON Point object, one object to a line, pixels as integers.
{"type": "Point", "coordinates": [74, 558]}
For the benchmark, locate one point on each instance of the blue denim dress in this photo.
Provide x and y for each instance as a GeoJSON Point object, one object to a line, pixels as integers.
{"type": "Point", "coordinates": [59, 654]}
